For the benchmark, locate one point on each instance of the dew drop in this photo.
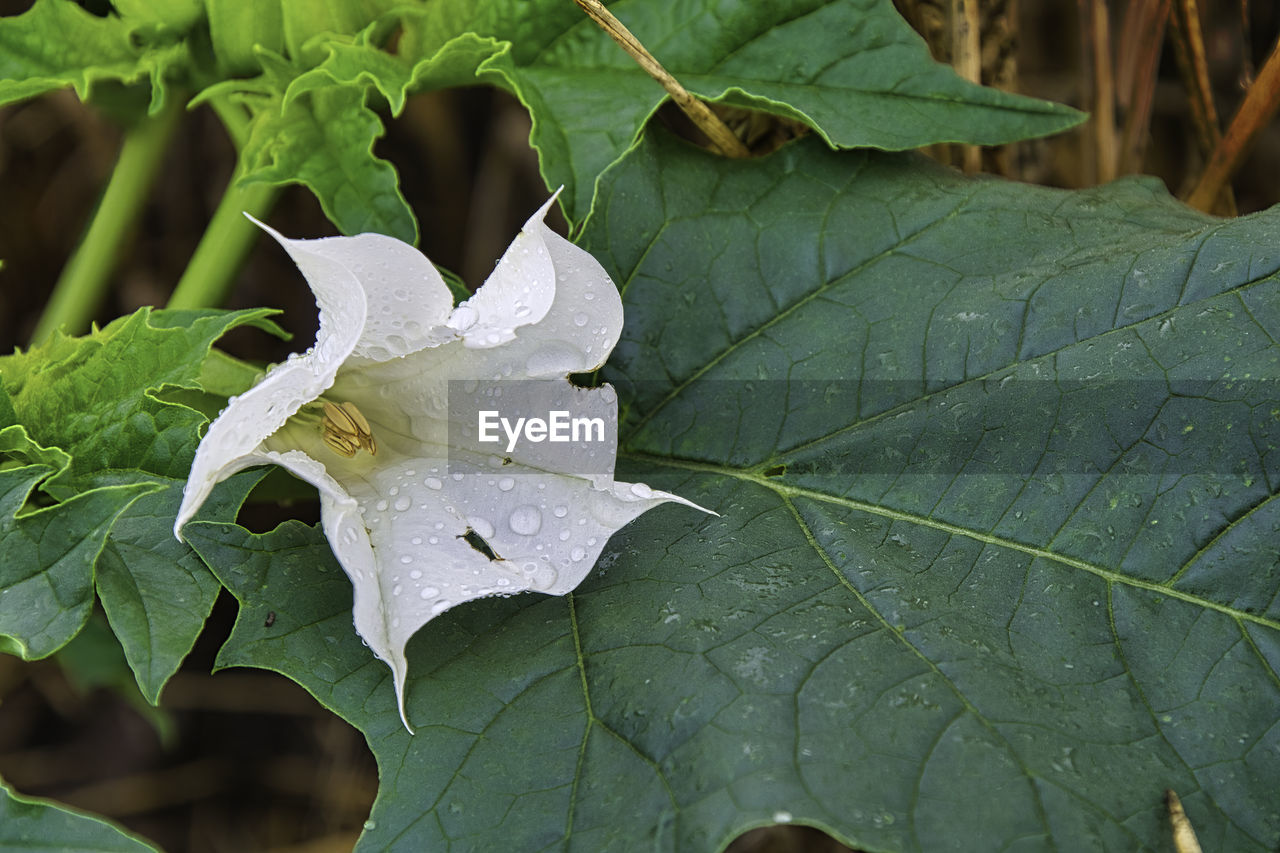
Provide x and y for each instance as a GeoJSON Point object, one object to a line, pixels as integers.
{"type": "Point", "coordinates": [481, 526]}
{"type": "Point", "coordinates": [415, 574]}
{"type": "Point", "coordinates": [433, 483]}
{"type": "Point", "coordinates": [463, 318]}
{"type": "Point", "coordinates": [640, 490]}
{"type": "Point", "coordinates": [564, 535]}
{"type": "Point", "coordinates": [395, 590]}
{"type": "Point", "coordinates": [577, 555]}
{"type": "Point", "coordinates": [561, 511]}
{"type": "Point", "coordinates": [542, 577]}
{"type": "Point", "coordinates": [406, 559]}
{"type": "Point", "coordinates": [428, 592]}
{"type": "Point", "coordinates": [440, 607]}
{"type": "Point", "coordinates": [381, 506]}
{"type": "Point", "coordinates": [506, 484]}
{"type": "Point", "coordinates": [402, 503]}
{"type": "Point", "coordinates": [580, 319]}
{"type": "Point", "coordinates": [525, 520]}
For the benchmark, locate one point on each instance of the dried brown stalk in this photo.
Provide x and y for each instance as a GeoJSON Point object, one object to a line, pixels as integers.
{"type": "Point", "coordinates": [1104, 102]}
{"type": "Point", "coordinates": [698, 112]}
{"type": "Point", "coordinates": [966, 57]}
{"type": "Point", "coordinates": [1184, 837]}
{"type": "Point", "coordinates": [1142, 61]}
{"type": "Point", "coordinates": [1260, 104]}
{"type": "Point", "coordinates": [1193, 67]}
{"type": "Point", "coordinates": [1188, 39]}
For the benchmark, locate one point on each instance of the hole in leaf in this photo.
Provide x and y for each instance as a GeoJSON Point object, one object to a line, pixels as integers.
{"type": "Point", "coordinates": [475, 540]}
{"type": "Point", "coordinates": [775, 470]}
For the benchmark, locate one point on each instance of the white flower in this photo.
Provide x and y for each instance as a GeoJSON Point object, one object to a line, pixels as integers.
{"type": "Point", "coordinates": [363, 416]}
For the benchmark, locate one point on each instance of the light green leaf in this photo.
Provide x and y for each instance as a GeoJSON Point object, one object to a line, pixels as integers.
{"type": "Point", "coordinates": [36, 826]}
{"type": "Point", "coordinates": [57, 44]}
{"type": "Point", "coordinates": [118, 439]}
{"type": "Point", "coordinates": [324, 140]}
{"type": "Point", "coordinates": [852, 69]}
{"type": "Point", "coordinates": [236, 27]}
{"type": "Point", "coordinates": [362, 61]}
{"type": "Point", "coordinates": [164, 18]}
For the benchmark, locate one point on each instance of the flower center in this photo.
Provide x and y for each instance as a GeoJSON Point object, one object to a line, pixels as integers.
{"type": "Point", "coordinates": [346, 431]}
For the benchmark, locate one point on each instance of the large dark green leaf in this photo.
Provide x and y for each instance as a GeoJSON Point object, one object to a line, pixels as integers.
{"type": "Point", "coordinates": [996, 561]}
{"type": "Point", "coordinates": [852, 69]}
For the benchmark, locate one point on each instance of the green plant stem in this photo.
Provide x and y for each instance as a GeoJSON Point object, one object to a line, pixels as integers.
{"type": "Point", "coordinates": [229, 236]}
{"type": "Point", "coordinates": [83, 282]}
{"type": "Point", "coordinates": [225, 243]}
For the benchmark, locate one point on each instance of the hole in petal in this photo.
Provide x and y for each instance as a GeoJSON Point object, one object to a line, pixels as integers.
{"type": "Point", "coordinates": [476, 541]}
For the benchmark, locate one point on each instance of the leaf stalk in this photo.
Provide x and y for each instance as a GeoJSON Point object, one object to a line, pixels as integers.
{"type": "Point", "coordinates": [83, 282]}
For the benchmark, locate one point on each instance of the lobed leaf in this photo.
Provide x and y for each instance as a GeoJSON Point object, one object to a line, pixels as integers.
{"type": "Point", "coordinates": [852, 69]}
{"type": "Point", "coordinates": [997, 474]}
{"type": "Point", "coordinates": [119, 460]}
{"type": "Point", "coordinates": [324, 140]}
{"type": "Point", "coordinates": [56, 43]}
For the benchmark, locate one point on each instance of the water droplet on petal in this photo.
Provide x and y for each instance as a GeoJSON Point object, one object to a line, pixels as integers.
{"type": "Point", "coordinates": [428, 592]}
{"type": "Point", "coordinates": [577, 555]}
{"type": "Point", "coordinates": [506, 484]}
{"type": "Point", "coordinates": [381, 506]}
{"type": "Point", "coordinates": [403, 503]}
{"type": "Point", "coordinates": [481, 526]}
{"type": "Point", "coordinates": [440, 607]}
{"type": "Point", "coordinates": [463, 318]}
{"type": "Point", "coordinates": [525, 520]}
{"type": "Point", "coordinates": [580, 319]}
{"type": "Point", "coordinates": [433, 483]}
{"type": "Point", "coordinates": [542, 577]}
{"type": "Point", "coordinates": [640, 490]}
{"type": "Point", "coordinates": [561, 511]}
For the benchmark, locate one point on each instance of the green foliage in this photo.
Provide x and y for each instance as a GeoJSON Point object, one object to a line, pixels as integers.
{"type": "Point", "coordinates": [114, 472]}
{"type": "Point", "coordinates": [995, 464]}
{"type": "Point", "coordinates": [34, 826]}
{"type": "Point", "coordinates": [928, 563]}
{"type": "Point", "coordinates": [56, 44]}
{"type": "Point", "coordinates": [854, 71]}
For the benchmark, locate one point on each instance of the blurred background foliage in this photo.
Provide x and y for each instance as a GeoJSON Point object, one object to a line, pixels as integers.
{"type": "Point", "coordinates": [246, 760]}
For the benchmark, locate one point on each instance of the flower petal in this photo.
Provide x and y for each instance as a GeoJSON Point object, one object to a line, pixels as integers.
{"type": "Point", "coordinates": [440, 539]}
{"type": "Point", "coordinates": [260, 411]}
{"type": "Point", "coordinates": [518, 291]}
{"type": "Point", "coordinates": [407, 301]}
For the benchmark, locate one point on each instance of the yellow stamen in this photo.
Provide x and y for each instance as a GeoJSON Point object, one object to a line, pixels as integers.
{"type": "Point", "coordinates": [339, 444]}
{"type": "Point", "coordinates": [346, 430]}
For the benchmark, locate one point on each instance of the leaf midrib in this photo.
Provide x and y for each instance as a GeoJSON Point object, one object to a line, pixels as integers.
{"type": "Point", "coordinates": [787, 492]}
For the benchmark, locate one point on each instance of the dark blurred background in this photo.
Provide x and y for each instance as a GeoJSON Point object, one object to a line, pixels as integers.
{"type": "Point", "coordinates": [246, 760]}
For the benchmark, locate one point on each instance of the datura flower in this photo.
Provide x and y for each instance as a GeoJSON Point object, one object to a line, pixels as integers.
{"type": "Point", "coordinates": [419, 522]}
